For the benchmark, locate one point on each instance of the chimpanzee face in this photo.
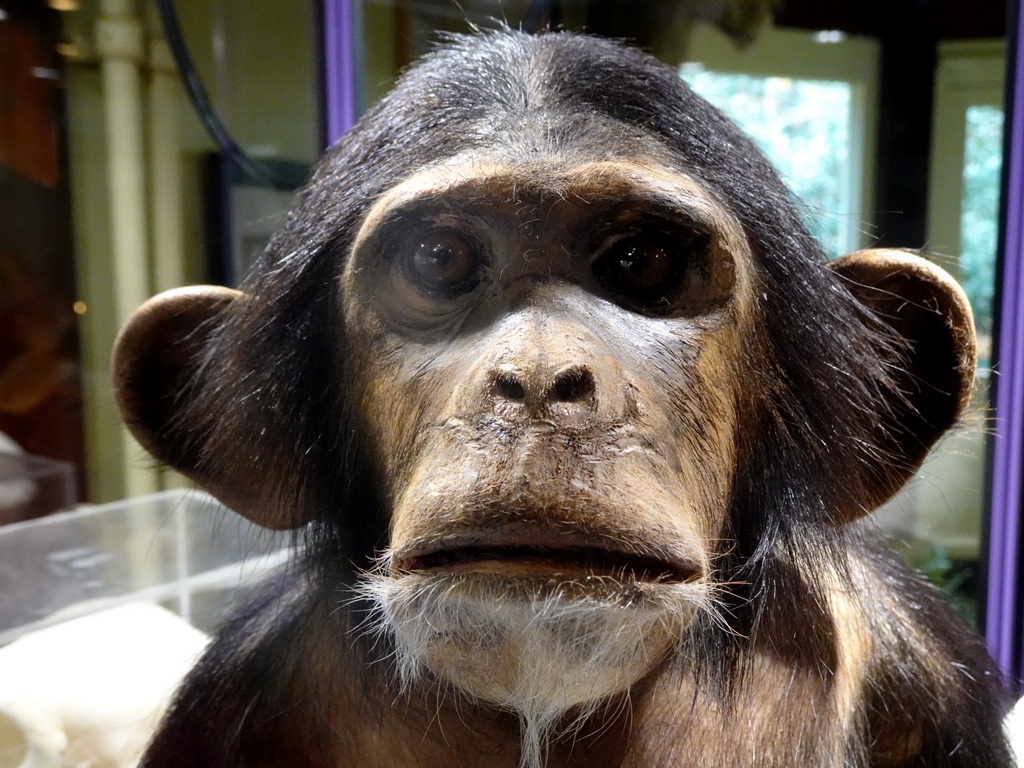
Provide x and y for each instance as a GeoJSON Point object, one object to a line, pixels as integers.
{"type": "Point", "coordinates": [546, 369]}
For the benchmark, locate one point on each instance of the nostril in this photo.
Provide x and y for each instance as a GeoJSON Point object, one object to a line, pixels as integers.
{"type": "Point", "coordinates": [508, 386]}
{"type": "Point", "coordinates": [573, 385]}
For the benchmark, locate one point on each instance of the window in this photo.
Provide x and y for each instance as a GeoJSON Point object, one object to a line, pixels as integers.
{"type": "Point", "coordinates": [806, 100]}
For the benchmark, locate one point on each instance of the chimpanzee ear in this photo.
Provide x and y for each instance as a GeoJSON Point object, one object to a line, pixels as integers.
{"type": "Point", "coordinates": [927, 308]}
{"type": "Point", "coordinates": [156, 357]}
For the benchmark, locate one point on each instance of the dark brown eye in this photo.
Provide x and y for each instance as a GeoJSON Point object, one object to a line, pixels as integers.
{"type": "Point", "coordinates": [444, 260]}
{"type": "Point", "coordinates": [640, 267]}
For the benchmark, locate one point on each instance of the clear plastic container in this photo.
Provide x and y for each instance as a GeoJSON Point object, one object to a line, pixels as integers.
{"type": "Point", "coordinates": [181, 549]}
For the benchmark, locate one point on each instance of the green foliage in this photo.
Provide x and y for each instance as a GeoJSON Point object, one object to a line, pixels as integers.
{"type": "Point", "coordinates": [951, 577]}
{"type": "Point", "coordinates": [979, 213]}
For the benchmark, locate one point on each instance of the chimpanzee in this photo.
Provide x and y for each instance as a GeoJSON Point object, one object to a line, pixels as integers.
{"type": "Point", "coordinates": [577, 426]}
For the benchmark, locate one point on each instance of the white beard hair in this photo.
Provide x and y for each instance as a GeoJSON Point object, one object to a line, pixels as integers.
{"type": "Point", "coordinates": [535, 650]}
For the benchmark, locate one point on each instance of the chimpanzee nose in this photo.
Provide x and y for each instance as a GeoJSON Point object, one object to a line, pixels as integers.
{"type": "Point", "coordinates": [509, 386]}
{"type": "Point", "coordinates": [547, 369]}
{"type": "Point", "coordinates": [566, 393]}
{"type": "Point", "coordinates": [571, 384]}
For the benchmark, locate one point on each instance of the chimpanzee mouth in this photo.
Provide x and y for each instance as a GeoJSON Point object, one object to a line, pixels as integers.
{"type": "Point", "coordinates": [565, 562]}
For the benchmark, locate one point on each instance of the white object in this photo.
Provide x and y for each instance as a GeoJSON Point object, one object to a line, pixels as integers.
{"type": "Point", "coordinates": [17, 490]}
{"type": "Point", "coordinates": [1014, 727]}
{"type": "Point", "coordinates": [90, 692]}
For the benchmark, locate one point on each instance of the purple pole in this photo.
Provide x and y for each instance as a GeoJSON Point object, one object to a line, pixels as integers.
{"type": "Point", "coordinates": [1002, 628]}
{"type": "Point", "coordinates": [339, 68]}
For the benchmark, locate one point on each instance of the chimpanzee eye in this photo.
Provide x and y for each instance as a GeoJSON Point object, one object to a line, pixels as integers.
{"type": "Point", "coordinates": [640, 267]}
{"type": "Point", "coordinates": [444, 260]}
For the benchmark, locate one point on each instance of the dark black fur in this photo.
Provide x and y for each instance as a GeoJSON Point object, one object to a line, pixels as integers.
{"type": "Point", "coordinates": [270, 398]}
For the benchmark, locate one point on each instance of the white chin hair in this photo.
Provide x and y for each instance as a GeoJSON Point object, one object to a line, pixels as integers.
{"type": "Point", "coordinates": [535, 646]}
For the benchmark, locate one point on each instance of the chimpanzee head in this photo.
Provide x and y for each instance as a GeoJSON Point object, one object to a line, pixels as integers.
{"type": "Point", "coordinates": [545, 334]}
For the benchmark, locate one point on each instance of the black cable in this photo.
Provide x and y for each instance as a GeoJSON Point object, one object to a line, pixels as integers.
{"type": "Point", "coordinates": [201, 102]}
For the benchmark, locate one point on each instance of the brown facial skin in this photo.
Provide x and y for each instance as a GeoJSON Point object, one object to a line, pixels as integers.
{"type": "Point", "coordinates": [549, 341]}
{"type": "Point", "coordinates": [535, 405]}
